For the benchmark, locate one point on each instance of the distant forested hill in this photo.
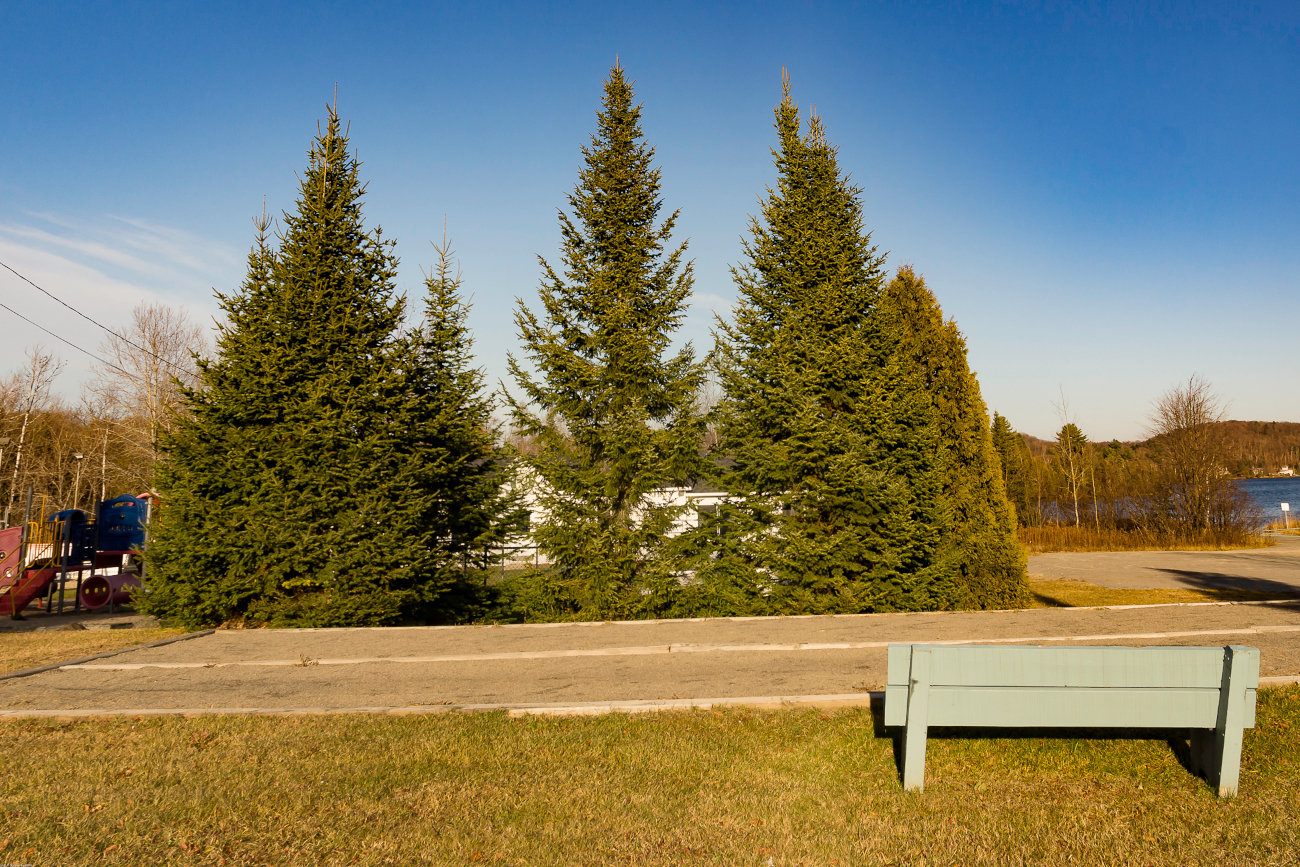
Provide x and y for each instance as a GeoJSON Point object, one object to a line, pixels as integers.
{"type": "Point", "coordinates": [1257, 448]}
{"type": "Point", "coordinates": [1266, 446]}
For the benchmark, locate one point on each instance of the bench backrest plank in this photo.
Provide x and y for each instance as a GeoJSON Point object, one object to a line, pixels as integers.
{"type": "Point", "coordinates": [1056, 707]}
{"type": "Point", "coordinates": [960, 673]}
{"type": "Point", "coordinates": [1145, 667]}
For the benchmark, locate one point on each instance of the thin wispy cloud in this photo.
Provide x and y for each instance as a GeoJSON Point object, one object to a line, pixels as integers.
{"type": "Point", "coordinates": [102, 269]}
{"type": "Point", "coordinates": [172, 256]}
{"type": "Point", "coordinates": [88, 249]}
{"type": "Point", "coordinates": [176, 246]}
{"type": "Point", "coordinates": [83, 286]}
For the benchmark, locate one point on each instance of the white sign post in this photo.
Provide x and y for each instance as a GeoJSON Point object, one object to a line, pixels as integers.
{"type": "Point", "coordinates": [1286, 507]}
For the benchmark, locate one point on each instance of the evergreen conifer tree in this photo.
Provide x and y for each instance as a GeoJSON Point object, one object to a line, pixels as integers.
{"type": "Point", "coordinates": [296, 493]}
{"type": "Point", "coordinates": [826, 425]}
{"type": "Point", "coordinates": [984, 523]}
{"type": "Point", "coordinates": [1017, 471]}
{"type": "Point", "coordinates": [476, 505]}
{"type": "Point", "coordinates": [611, 410]}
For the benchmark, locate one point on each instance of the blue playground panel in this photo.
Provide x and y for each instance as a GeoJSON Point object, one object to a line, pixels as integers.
{"type": "Point", "coordinates": [120, 528]}
{"type": "Point", "coordinates": [81, 533]}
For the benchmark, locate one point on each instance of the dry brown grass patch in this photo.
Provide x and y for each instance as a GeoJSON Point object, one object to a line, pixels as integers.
{"type": "Point", "coordinates": [725, 788]}
{"type": "Point", "coordinates": [19, 650]}
{"type": "Point", "coordinates": [1066, 593]}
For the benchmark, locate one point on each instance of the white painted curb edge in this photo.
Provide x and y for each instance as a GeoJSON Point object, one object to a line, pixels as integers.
{"type": "Point", "coordinates": [859, 699]}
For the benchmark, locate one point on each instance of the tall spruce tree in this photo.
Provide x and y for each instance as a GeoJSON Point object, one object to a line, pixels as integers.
{"type": "Point", "coordinates": [295, 492]}
{"type": "Point", "coordinates": [476, 505]}
{"type": "Point", "coordinates": [826, 426]}
{"type": "Point", "coordinates": [984, 523]}
{"type": "Point", "coordinates": [1017, 470]}
{"type": "Point", "coordinates": [613, 413]}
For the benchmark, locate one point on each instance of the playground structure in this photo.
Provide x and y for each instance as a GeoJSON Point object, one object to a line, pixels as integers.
{"type": "Point", "coordinates": [98, 557]}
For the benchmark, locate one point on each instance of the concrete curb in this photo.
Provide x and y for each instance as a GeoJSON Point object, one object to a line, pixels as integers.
{"type": "Point", "coordinates": [597, 708]}
{"type": "Point", "coordinates": [658, 649]}
{"type": "Point", "coordinates": [594, 708]}
{"type": "Point", "coordinates": [28, 672]}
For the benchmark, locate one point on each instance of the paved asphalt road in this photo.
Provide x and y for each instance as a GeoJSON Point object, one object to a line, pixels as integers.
{"type": "Point", "coordinates": [571, 664]}
{"type": "Point", "coordinates": [1274, 569]}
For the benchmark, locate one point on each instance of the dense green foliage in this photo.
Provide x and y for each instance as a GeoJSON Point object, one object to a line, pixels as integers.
{"type": "Point", "coordinates": [983, 521]}
{"type": "Point", "coordinates": [836, 500]}
{"type": "Point", "coordinates": [322, 474]}
{"type": "Point", "coordinates": [1017, 469]}
{"type": "Point", "coordinates": [611, 412]}
{"type": "Point", "coordinates": [477, 504]}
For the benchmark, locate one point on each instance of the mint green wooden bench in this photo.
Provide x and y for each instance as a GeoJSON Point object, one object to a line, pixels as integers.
{"type": "Point", "coordinates": [1207, 690]}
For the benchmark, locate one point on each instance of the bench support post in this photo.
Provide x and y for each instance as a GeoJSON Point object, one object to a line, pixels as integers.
{"type": "Point", "coordinates": [918, 713]}
{"type": "Point", "coordinates": [1203, 762]}
{"type": "Point", "coordinates": [1225, 753]}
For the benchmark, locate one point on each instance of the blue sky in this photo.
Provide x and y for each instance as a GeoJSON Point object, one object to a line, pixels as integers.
{"type": "Point", "coordinates": [1104, 196]}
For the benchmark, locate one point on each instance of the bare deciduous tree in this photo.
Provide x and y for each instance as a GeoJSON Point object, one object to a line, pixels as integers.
{"type": "Point", "coordinates": [31, 387]}
{"type": "Point", "coordinates": [1193, 480]}
{"type": "Point", "coordinates": [707, 397]}
{"type": "Point", "coordinates": [98, 409]}
{"type": "Point", "coordinates": [141, 385]}
{"type": "Point", "coordinates": [1071, 453]}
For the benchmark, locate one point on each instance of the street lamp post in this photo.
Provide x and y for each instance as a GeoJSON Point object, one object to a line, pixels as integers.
{"type": "Point", "coordinates": [76, 487]}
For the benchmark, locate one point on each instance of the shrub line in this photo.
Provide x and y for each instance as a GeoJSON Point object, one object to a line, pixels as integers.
{"type": "Point", "coordinates": [1291, 600]}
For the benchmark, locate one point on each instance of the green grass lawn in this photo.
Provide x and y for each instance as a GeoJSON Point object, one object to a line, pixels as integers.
{"type": "Point", "coordinates": [702, 787]}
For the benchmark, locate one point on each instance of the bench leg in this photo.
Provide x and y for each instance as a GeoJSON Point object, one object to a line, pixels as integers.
{"type": "Point", "coordinates": [1226, 752]}
{"type": "Point", "coordinates": [1203, 760]}
{"type": "Point", "coordinates": [918, 713]}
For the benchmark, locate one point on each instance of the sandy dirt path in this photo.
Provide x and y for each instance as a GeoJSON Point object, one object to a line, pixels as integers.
{"type": "Point", "coordinates": [605, 662]}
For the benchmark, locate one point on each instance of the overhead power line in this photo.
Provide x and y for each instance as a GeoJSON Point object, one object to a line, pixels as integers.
{"type": "Point", "coordinates": [120, 337]}
{"type": "Point", "coordinates": [63, 340]}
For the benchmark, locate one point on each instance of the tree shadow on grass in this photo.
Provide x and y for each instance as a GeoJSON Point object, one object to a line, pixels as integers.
{"type": "Point", "coordinates": [1223, 583]}
{"type": "Point", "coordinates": [1214, 587]}
{"type": "Point", "coordinates": [1050, 601]}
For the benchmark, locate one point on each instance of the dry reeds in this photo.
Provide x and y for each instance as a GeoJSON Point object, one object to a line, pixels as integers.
{"type": "Point", "coordinates": [1050, 538]}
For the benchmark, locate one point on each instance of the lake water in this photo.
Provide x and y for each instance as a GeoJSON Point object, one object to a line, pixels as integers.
{"type": "Point", "coordinates": [1269, 494]}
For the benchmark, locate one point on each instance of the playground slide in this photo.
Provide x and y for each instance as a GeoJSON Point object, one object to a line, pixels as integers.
{"type": "Point", "coordinates": [11, 542]}
{"type": "Point", "coordinates": [14, 597]}
{"type": "Point", "coordinates": [17, 592]}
